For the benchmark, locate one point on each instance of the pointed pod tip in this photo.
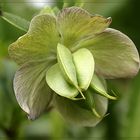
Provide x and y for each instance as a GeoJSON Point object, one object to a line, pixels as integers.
{"type": "Point", "coordinates": [108, 96]}
{"type": "Point", "coordinates": [105, 94]}
{"type": "Point", "coordinates": [76, 99]}
{"type": "Point", "coordinates": [96, 113]}
{"type": "Point", "coordinates": [106, 115]}
{"type": "Point", "coordinates": [115, 97]}
{"type": "Point", "coordinates": [112, 97]}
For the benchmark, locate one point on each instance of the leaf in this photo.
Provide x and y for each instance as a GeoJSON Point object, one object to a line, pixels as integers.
{"type": "Point", "coordinates": [114, 53]}
{"type": "Point", "coordinates": [38, 44]}
{"type": "Point", "coordinates": [16, 21]}
{"type": "Point", "coordinates": [31, 90]}
{"type": "Point", "coordinates": [98, 86]}
{"type": "Point", "coordinates": [84, 63]}
{"type": "Point", "coordinates": [75, 23]}
{"type": "Point", "coordinates": [66, 64]}
{"type": "Point", "coordinates": [57, 83]}
{"type": "Point", "coordinates": [73, 112]}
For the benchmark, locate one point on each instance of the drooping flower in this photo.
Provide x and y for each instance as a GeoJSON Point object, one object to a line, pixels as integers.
{"type": "Point", "coordinates": [62, 58]}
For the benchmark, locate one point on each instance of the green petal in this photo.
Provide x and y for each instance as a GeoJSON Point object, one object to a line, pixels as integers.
{"type": "Point", "coordinates": [73, 112]}
{"type": "Point", "coordinates": [31, 90]}
{"type": "Point", "coordinates": [66, 64]}
{"type": "Point", "coordinates": [75, 23]}
{"type": "Point", "coordinates": [114, 53]}
{"type": "Point", "coordinates": [39, 43]}
{"type": "Point", "coordinates": [57, 83]}
{"type": "Point", "coordinates": [98, 86]}
{"type": "Point", "coordinates": [84, 63]}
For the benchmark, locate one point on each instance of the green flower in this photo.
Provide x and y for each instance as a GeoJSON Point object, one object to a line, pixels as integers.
{"type": "Point", "coordinates": [64, 58]}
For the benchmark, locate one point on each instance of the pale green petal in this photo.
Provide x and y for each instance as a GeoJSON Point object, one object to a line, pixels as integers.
{"type": "Point", "coordinates": [114, 53]}
{"type": "Point", "coordinates": [74, 112]}
{"type": "Point", "coordinates": [84, 63]}
{"type": "Point", "coordinates": [66, 64]}
{"type": "Point", "coordinates": [39, 43]}
{"type": "Point", "coordinates": [75, 23]}
{"type": "Point", "coordinates": [57, 83]}
{"type": "Point", "coordinates": [31, 90]}
{"type": "Point", "coordinates": [98, 86]}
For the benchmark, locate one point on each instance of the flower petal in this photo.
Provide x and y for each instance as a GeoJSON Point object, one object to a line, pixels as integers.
{"type": "Point", "coordinates": [84, 63]}
{"type": "Point", "coordinates": [73, 112]}
{"type": "Point", "coordinates": [115, 54]}
{"type": "Point", "coordinates": [31, 90]}
{"type": "Point", "coordinates": [39, 43]}
{"type": "Point", "coordinates": [75, 23]}
{"type": "Point", "coordinates": [57, 83]}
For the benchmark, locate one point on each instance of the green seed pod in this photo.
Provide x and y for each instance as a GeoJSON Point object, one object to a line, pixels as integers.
{"type": "Point", "coordinates": [57, 83]}
{"type": "Point", "coordinates": [67, 67]}
{"type": "Point", "coordinates": [66, 64]}
{"type": "Point", "coordinates": [89, 102]}
{"type": "Point", "coordinates": [84, 64]}
{"type": "Point", "coordinates": [97, 85]}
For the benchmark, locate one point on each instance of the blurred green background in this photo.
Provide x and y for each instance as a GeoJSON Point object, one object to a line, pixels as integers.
{"type": "Point", "coordinates": [123, 121]}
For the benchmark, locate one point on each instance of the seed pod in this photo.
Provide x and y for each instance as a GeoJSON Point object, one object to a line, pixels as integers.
{"type": "Point", "coordinates": [66, 64]}
{"type": "Point", "coordinates": [67, 67]}
{"type": "Point", "coordinates": [84, 64]}
{"type": "Point", "coordinates": [57, 83]}
{"type": "Point", "coordinates": [98, 86]}
{"type": "Point", "coordinates": [89, 103]}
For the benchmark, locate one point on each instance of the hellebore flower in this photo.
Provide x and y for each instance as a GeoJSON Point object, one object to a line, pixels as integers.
{"type": "Point", "coordinates": [65, 59]}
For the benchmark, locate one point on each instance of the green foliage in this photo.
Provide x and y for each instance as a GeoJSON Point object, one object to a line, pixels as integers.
{"type": "Point", "coordinates": [15, 21]}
